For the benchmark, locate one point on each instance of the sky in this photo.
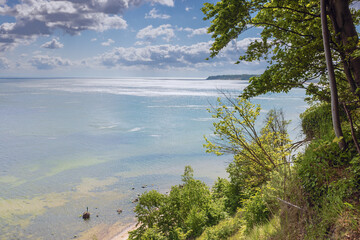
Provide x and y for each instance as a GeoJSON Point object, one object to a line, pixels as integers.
{"type": "Point", "coordinates": [113, 38]}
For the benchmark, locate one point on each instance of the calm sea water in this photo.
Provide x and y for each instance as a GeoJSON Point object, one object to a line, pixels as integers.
{"type": "Point", "coordinates": [68, 144]}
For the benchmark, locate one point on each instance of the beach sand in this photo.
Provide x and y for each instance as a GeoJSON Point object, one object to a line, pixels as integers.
{"type": "Point", "coordinates": [118, 231]}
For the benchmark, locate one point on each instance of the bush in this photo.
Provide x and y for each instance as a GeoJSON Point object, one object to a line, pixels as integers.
{"type": "Point", "coordinates": [316, 121]}
{"type": "Point", "coordinates": [330, 209]}
{"type": "Point", "coordinates": [322, 163]}
{"type": "Point", "coordinates": [223, 230]}
{"type": "Point", "coordinates": [183, 214]}
{"type": "Point", "coordinates": [255, 211]}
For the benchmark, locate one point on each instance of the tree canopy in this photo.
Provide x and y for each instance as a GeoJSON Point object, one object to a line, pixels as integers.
{"type": "Point", "coordinates": [290, 41]}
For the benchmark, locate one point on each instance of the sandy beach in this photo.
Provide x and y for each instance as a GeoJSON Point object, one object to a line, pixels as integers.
{"type": "Point", "coordinates": [124, 234]}
{"type": "Point", "coordinates": [118, 231]}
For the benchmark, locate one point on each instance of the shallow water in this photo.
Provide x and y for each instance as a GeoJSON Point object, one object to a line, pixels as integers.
{"type": "Point", "coordinates": [68, 144]}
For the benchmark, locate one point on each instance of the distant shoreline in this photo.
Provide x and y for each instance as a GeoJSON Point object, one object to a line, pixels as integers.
{"type": "Point", "coordinates": [232, 77]}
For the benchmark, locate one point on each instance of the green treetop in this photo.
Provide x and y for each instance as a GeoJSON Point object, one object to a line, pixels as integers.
{"type": "Point", "coordinates": [291, 42]}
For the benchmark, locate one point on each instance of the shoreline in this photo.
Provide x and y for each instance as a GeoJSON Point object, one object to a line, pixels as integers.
{"type": "Point", "coordinates": [124, 234]}
{"type": "Point", "coordinates": [117, 231]}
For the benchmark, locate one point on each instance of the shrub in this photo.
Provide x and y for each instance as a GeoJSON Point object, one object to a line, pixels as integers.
{"type": "Point", "coordinates": [316, 121]}
{"type": "Point", "coordinates": [255, 211]}
{"type": "Point", "coordinates": [225, 229]}
{"type": "Point", "coordinates": [322, 163]}
{"type": "Point", "coordinates": [183, 214]}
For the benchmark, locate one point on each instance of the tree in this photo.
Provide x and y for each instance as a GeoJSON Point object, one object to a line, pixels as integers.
{"type": "Point", "coordinates": [332, 82]}
{"type": "Point", "coordinates": [256, 153]}
{"type": "Point", "coordinates": [291, 42]}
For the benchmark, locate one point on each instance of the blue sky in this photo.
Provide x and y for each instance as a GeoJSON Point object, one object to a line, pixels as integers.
{"type": "Point", "coordinates": [112, 38]}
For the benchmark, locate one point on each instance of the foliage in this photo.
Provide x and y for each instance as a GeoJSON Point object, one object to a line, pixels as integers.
{"type": "Point", "coordinates": [316, 121]}
{"type": "Point", "coordinates": [315, 192]}
{"type": "Point", "coordinates": [255, 154]}
{"type": "Point", "coordinates": [225, 229]}
{"type": "Point", "coordinates": [291, 30]}
{"type": "Point", "coordinates": [355, 169]}
{"type": "Point", "coordinates": [290, 41]}
{"type": "Point", "coordinates": [152, 233]}
{"type": "Point", "coordinates": [255, 211]}
{"type": "Point", "coordinates": [321, 164]}
{"type": "Point", "coordinates": [182, 214]}
{"type": "Point", "coordinates": [265, 231]}
{"type": "Point", "coordinates": [330, 209]}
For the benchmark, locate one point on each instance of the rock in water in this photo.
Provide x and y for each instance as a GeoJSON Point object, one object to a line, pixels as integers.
{"type": "Point", "coordinates": [86, 215]}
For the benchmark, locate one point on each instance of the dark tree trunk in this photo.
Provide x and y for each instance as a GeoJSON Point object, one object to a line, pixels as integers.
{"type": "Point", "coordinates": [332, 82]}
{"type": "Point", "coordinates": [347, 38]}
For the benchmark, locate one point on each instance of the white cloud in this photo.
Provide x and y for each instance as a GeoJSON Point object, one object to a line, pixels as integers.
{"type": "Point", "coordinates": [108, 42]}
{"type": "Point", "coordinates": [154, 14]}
{"type": "Point", "coordinates": [44, 62]}
{"type": "Point", "coordinates": [42, 17]}
{"type": "Point", "coordinates": [188, 9]}
{"type": "Point", "coordinates": [172, 56]}
{"type": "Point", "coordinates": [142, 43]}
{"type": "Point", "coordinates": [150, 33]}
{"type": "Point", "coordinates": [169, 3]}
{"type": "Point", "coordinates": [194, 32]}
{"type": "Point", "coordinates": [53, 44]}
{"type": "Point", "coordinates": [158, 56]}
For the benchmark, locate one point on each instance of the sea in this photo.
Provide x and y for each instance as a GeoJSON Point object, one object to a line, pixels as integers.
{"type": "Point", "coordinates": [68, 144]}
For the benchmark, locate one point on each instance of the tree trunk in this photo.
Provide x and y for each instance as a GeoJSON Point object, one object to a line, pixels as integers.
{"type": "Point", "coordinates": [347, 39]}
{"type": "Point", "coordinates": [332, 82]}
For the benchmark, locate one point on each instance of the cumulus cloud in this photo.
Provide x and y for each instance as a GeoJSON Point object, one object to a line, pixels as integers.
{"type": "Point", "coordinates": [154, 14]}
{"type": "Point", "coordinates": [42, 17]}
{"type": "Point", "coordinates": [155, 56]}
{"type": "Point", "coordinates": [151, 33]}
{"type": "Point", "coordinates": [188, 9]}
{"type": "Point", "coordinates": [171, 56]}
{"type": "Point", "coordinates": [169, 3]}
{"type": "Point", "coordinates": [44, 62]}
{"type": "Point", "coordinates": [108, 42]}
{"type": "Point", "coordinates": [53, 44]}
{"type": "Point", "coordinates": [194, 32]}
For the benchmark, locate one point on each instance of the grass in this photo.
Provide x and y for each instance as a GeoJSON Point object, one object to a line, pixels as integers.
{"type": "Point", "coordinates": [259, 232]}
{"type": "Point", "coordinates": [235, 229]}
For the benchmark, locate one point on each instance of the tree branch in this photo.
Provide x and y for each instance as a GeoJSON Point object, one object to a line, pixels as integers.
{"type": "Point", "coordinates": [283, 29]}
{"type": "Point", "coordinates": [293, 10]}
